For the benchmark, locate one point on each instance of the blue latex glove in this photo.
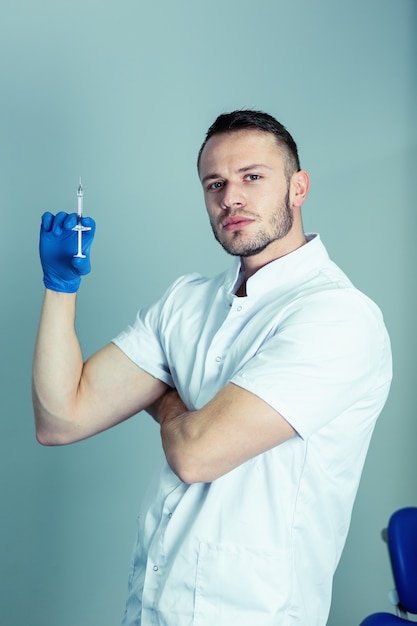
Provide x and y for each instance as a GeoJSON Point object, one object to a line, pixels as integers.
{"type": "Point", "coordinates": [57, 246]}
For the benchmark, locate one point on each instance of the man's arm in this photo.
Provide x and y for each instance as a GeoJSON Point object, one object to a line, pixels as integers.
{"type": "Point", "coordinates": [233, 427]}
{"type": "Point", "coordinates": [73, 400]}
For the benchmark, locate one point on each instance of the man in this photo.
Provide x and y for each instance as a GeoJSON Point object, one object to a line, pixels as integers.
{"type": "Point", "coordinates": [266, 382]}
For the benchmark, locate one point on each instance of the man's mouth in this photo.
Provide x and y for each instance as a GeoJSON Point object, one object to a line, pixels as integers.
{"type": "Point", "coordinates": [236, 221]}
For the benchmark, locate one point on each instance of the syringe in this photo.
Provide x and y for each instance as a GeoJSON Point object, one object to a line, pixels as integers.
{"type": "Point", "coordinates": [79, 227]}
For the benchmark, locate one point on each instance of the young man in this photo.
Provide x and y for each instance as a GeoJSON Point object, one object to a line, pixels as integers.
{"type": "Point", "coordinates": [266, 382]}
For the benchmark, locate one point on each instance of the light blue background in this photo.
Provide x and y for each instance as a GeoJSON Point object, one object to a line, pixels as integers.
{"type": "Point", "coordinates": [122, 93]}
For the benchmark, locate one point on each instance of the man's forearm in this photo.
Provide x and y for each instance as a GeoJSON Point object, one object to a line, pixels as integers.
{"type": "Point", "coordinates": [231, 428]}
{"type": "Point", "coordinates": [170, 411]}
{"type": "Point", "coordinates": [57, 366]}
{"type": "Point", "coordinates": [179, 442]}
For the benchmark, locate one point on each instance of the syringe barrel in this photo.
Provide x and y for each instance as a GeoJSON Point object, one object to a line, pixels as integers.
{"type": "Point", "coordinates": [80, 200]}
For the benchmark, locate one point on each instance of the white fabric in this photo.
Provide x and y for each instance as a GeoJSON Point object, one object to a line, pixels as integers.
{"type": "Point", "coordinates": [259, 546]}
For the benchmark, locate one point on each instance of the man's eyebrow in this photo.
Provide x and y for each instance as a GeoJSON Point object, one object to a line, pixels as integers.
{"type": "Point", "coordinates": [210, 177]}
{"type": "Point", "coordinates": [253, 166]}
{"type": "Point", "coordinates": [241, 170]}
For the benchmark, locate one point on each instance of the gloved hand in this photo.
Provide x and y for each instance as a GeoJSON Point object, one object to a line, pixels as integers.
{"type": "Point", "coordinates": [62, 271]}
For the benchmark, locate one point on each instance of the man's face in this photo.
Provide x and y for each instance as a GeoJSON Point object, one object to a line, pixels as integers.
{"type": "Point", "coordinates": [246, 190]}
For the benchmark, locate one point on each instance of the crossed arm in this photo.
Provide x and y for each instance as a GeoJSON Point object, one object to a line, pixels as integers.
{"type": "Point", "coordinates": [74, 400]}
{"type": "Point", "coordinates": [233, 427]}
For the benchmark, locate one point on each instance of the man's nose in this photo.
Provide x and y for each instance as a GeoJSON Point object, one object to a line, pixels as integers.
{"type": "Point", "coordinates": [233, 196]}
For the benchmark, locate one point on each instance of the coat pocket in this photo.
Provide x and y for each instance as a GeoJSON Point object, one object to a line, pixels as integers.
{"type": "Point", "coordinates": [240, 585]}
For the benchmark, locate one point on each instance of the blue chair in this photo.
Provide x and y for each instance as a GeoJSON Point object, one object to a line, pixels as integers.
{"type": "Point", "coordinates": [401, 536]}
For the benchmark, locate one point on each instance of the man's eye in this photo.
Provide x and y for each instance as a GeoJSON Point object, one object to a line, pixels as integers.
{"type": "Point", "coordinates": [253, 177]}
{"type": "Point", "coordinates": [216, 185]}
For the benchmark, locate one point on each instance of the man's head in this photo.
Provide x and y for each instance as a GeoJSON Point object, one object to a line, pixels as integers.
{"type": "Point", "coordinates": [253, 186]}
{"type": "Point", "coordinates": [256, 120]}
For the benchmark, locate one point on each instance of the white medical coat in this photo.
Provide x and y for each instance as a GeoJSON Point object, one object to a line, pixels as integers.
{"type": "Point", "coordinates": [259, 545]}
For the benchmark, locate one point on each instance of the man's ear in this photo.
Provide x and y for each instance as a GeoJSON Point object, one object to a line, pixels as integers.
{"type": "Point", "coordinates": [299, 187]}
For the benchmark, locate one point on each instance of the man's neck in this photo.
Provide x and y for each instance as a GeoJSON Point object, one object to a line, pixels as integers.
{"type": "Point", "coordinates": [252, 264]}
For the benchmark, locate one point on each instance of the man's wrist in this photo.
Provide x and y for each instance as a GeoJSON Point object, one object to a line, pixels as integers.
{"type": "Point", "coordinates": [63, 287]}
{"type": "Point", "coordinates": [170, 407]}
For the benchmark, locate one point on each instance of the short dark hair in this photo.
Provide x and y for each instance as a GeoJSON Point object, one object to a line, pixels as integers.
{"type": "Point", "coordinates": [256, 120]}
